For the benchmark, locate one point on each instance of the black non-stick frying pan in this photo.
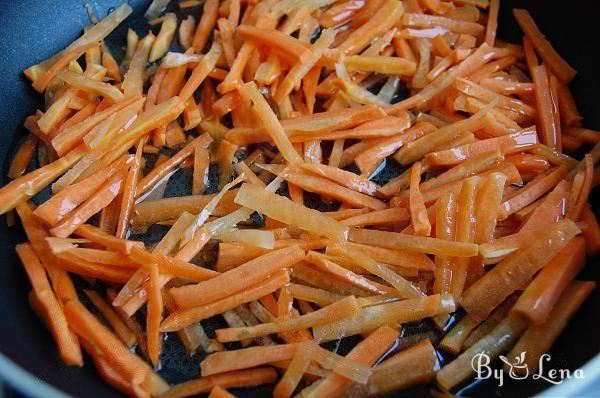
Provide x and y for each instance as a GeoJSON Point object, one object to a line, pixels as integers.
{"type": "Point", "coordinates": [32, 30]}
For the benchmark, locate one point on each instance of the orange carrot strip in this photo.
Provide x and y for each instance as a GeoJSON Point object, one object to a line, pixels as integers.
{"type": "Point", "coordinates": [272, 125]}
{"type": "Point", "coordinates": [393, 215]}
{"type": "Point", "coordinates": [234, 281]}
{"type": "Point", "coordinates": [158, 173]}
{"type": "Point", "coordinates": [31, 183]}
{"type": "Point", "coordinates": [543, 97]}
{"type": "Point", "coordinates": [513, 143]}
{"type": "Point", "coordinates": [218, 392]}
{"type": "Point", "coordinates": [368, 160]}
{"type": "Point", "coordinates": [23, 157]}
{"type": "Point", "coordinates": [110, 242]}
{"type": "Point", "coordinates": [181, 319]}
{"type": "Point", "coordinates": [70, 137]}
{"type": "Point", "coordinates": [120, 328]}
{"type": "Point", "coordinates": [505, 102]}
{"type": "Point", "coordinates": [342, 177]}
{"type": "Point", "coordinates": [503, 336]}
{"type": "Point", "coordinates": [540, 296]}
{"type": "Point", "coordinates": [567, 106]}
{"type": "Point", "coordinates": [276, 41]}
{"type": "Point", "coordinates": [132, 367]}
{"type": "Point", "coordinates": [200, 72]}
{"type": "Point", "coordinates": [382, 20]}
{"type": "Point", "coordinates": [558, 65]}
{"type": "Point", "coordinates": [575, 207]}
{"type": "Point", "coordinates": [591, 234]}
{"type": "Point", "coordinates": [538, 339]}
{"type": "Point", "coordinates": [129, 192]}
{"type": "Point", "coordinates": [67, 343]}
{"type": "Point", "coordinates": [366, 352]}
{"type": "Point", "coordinates": [298, 366]}
{"type": "Point", "coordinates": [492, 24]}
{"type": "Point", "coordinates": [418, 212]}
{"type": "Point", "coordinates": [490, 290]}
{"type": "Point", "coordinates": [105, 194]}
{"type": "Point", "coordinates": [208, 21]}
{"type": "Point", "coordinates": [326, 187]}
{"type": "Point", "coordinates": [411, 366]}
{"type": "Point", "coordinates": [246, 358]}
{"type": "Point", "coordinates": [551, 210]}
{"type": "Point", "coordinates": [532, 191]}
{"type": "Point", "coordinates": [420, 244]}
{"type": "Point", "coordinates": [331, 313]}
{"type": "Point", "coordinates": [235, 379]}
{"type": "Point", "coordinates": [44, 79]}
{"type": "Point", "coordinates": [465, 231]}
{"type": "Point", "coordinates": [59, 205]}
{"type": "Point", "coordinates": [445, 211]}
{"type": "Point", "coordinates": [154, 316]}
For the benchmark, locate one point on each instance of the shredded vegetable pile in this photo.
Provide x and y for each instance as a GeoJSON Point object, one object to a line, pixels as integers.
{"type": "Point", "coordinates": [303, 109]}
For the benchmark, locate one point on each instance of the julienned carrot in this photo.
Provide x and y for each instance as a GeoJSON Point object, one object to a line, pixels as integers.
{"type": "Point", "coordinates": [161, 171]}
{"type": "Point", "coordinates": [393, 215]}
{"type": "Point", "coordinates": [421, 147]}
{"type": "Point", "coordinates": [366, 352]}
{"type": "Point", "coordinates": [37, 234]}
{"type": "Point", "coordinates": [532, 191]}
{"type": "Point", "coordinates": [154, 315]}
{"type": "Point", "coordinates": [591, 233]}
{"type": "Point", "coordinates": [237, 279]}
{"type": "Point", "coordinates": [234, 379]}
{"type": "Point", "coordinates": [504, 335]}
{"type": "Point", "coordinates": [152, 211]}
{"type": "Point", "coordinates": [235, 360]}
{"type": "Point", "coordinates": [492, 24]}
{"type": "Point", "coordinates": [491, 289]}
{"type": "Point", "coordinates": [110, 242]}
{"type": "Point", "coordinates": [283, 209]}
{"type": "Point", "coordinates": [325, 187]}
{"type": "Point", "coordinates": [554, 61]}
{"type": "Point", "coordinates": [411, 366]}
{"type": "Point", "coordinates": [277, 41]}
{"type": "Point", "coordinates": [133, 81]}
{"type": "Point", "coordinates": [540, 296]}
{"type": "Point", "coordinates": [383, 19]}
{"type": "Point", "coordinates": [516, 142]}
{"type": "Point", "coordinates": [577, 202]}
{"type": "Point", "coordinates": [418, 212]}
{"type": "Point", "coordinates": [391, 313]}
{"type": "Point", "coordinates": [23, 157]}
{"type": "Point", "coordinates": [421, 244]}
{"type": "Point", "coordinates": [322, 122]}
{"type": "Point", "coordinates": [549, 129]}
{"type": "Point", "coordinates": [300, 362]}
{"type": "Point", "coordinates": [31, 183]}
{"type": "Point", "coordinates": [105, 194]}
{"type": "Point", "coordinates": [208, 20]}
{"type": "Point", "coordinates": [67, 343]}
{"type": "Point", "coordinates": [330, 267]}
{"type": "Point", "coordinates": [404, 288]}
{"type": "Point", "coordinates": [129, 191]}
{"type": "Point", "coordinates": [429, 21]}
{"type": "Point", "coordinates": [445, 214]}
{"type": "Point", "coordinates": [370, 158]}
{"type": "Point", "coordinates": [342, 177]}
{"type": "Point", "coordinates": [120, 328]}
{"type": "Point", "coordinates": [185, 318]}
{"type": "Point", "coordinates": [471, 166]}
{"type": "Point", "coordinates": [538, 339]}
{"type": "Point", "coordinates": [487, 204]}
{"type": "Point", "coordinates": [59, 205]}
{"type": "Point", "coordinates": [218, 392]}
{"type": "Point", "coordinates": [333, 312]}
{"type": "Point", "coordinates": [552, 208]}
{"type": "Point", "coordinates": [72, 263]}
{"type": "Point", "coordinates": [464, 232]}
{"type": "Point", "coordinates": [87, 326]}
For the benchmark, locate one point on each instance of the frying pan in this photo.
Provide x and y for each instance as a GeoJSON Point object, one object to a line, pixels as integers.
{"type": "Point", "coordinates": [31, 31]}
